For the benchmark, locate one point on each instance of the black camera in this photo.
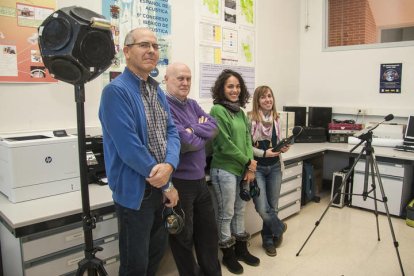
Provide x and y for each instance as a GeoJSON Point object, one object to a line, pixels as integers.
{"type": "Point", "coordinates": [248, 190]}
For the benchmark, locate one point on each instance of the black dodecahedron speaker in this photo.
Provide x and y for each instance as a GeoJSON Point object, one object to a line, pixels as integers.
{"type": "Point", "coordinates": [76, 44]}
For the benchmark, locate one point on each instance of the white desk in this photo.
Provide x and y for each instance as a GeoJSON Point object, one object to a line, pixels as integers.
{"type": "Point", "coordinates": [28, 218]}
{"type": "Point", "coordinates": [17, 216]}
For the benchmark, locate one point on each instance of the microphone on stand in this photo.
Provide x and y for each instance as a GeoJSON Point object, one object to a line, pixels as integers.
{"type": "Point", "coordinates": [361, 134]}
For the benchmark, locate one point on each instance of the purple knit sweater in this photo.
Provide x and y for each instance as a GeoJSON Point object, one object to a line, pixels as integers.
{"type": "Point", "coordinates": [193, 155]}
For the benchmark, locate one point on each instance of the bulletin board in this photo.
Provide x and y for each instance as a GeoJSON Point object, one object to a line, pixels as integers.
{"type": "Point", "coordinates": [20, 59]}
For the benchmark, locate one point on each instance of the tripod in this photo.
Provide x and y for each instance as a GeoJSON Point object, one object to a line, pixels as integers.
{"type": "Point", "coordinates": [370, 164]}
{"type": "Point", "coordinates": [93, 265]}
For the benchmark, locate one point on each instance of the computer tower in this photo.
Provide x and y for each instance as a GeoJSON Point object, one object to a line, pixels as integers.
{"type": "Point", "coordinates": [341, 199]}
{"type": "Point", "coordinates": [300, 114]}
{"type": "Point", "coordinates": [287, 120]}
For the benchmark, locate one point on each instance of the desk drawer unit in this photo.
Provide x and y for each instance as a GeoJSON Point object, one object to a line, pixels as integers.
{"type": "Point", "coordinates": [69, 262]}
{"type": "Point", "coordinates": [57, 251]}
{"type": "Point", "coordinates": [396, 180]}
{"type": "Point", "coordinates": [289, 198]}
{"type": "Point", "coordinates": [289, 210]}
{"type": "Point", "coordinates": [291, 190]}
{"type": "Point", "coordinates": [291, 184]}
{"type": "Point", "coordinates": [56, 240]}
{"type": "Point", "coordinates": [292, 169]}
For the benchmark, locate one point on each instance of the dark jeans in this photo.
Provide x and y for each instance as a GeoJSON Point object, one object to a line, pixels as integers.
{"type": "Point", "coordinates": [142, 235]}
{"type": "Point", "coordinates": [200, 230]}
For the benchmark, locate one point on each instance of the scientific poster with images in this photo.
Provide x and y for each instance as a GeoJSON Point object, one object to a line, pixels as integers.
{"type": "Point", "coordinates": [126, 15]}
{"type": "Point", "coordinates": [20, 59]}
{"type": "Point", "coordinates": [390, 78]}
{"type": "Point", "coordinates": [226, 41]}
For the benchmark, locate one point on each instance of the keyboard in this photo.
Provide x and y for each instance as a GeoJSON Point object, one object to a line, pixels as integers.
{"type": "Point", "coordinates": [404, 148]}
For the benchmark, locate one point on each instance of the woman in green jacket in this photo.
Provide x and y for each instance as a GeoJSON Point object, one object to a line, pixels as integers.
{"type": "Point", "coordinates": [232, 156]}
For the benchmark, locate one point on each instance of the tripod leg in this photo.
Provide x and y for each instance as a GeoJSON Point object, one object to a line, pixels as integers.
{"type": "Point", "coordinates": [92, 267]}
{"type": "Point", "coordinates": [374, 186]}
{"type": "Point", "coordinates": [384, 199]}
{"type": "Point", "coordinates": [344, 181]}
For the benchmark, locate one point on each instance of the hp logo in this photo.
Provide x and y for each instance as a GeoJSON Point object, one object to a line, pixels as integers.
{"type": "Point", "coordinates": [48, 159]}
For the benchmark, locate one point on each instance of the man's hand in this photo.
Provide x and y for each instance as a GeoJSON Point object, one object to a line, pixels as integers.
{"type": "Point", "coordinates": [159, 175]}
{"type": "Point", "coordinates": [171, 198]}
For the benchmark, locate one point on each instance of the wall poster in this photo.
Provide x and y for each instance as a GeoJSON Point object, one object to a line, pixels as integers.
{"type": "Point", "coordinates": [226, 41]}
{"type": "Point", "coordinates": [127, 15]}
{"type": "Point", "coordinates": [20, 59]}
{"type": "Point", "coordinates": [390, 78]}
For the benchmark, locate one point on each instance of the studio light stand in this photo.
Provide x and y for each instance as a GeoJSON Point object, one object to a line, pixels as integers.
{"type": "Point", "coordinates": [90, 263]}
{"type": "Point", "coordinates": [371, 168]}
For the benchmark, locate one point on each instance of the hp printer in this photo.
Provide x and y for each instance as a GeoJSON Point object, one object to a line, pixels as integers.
{"type": "Point", "coordinates": [35, 165]}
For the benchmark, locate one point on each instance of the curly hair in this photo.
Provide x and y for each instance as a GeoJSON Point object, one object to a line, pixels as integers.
{"type": "Point", "coordinates": [217, 91]}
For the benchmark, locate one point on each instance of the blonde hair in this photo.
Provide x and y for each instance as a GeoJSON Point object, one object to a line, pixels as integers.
{"type": "Point", "coordinates": [258, 93]}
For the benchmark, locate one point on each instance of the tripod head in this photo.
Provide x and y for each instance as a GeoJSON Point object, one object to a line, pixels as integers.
{"type": "Point", "coordinates": [365, 135]}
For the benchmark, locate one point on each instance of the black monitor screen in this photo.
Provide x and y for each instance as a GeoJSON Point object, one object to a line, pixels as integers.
{"type": "Point", "coordinates": [300, 114]}
{"type": "Point", "coordinates": [409, 132]}
{"type": "Point", "coordinates": [319, 116]}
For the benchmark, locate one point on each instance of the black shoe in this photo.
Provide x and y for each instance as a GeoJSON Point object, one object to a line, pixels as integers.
{"type": "Point", "coordinates": [270, 249]}
{"type": "Point", "coordinates": [284, 227]}
{"type": "Point", "coordinates": [316, 199]}
{"type": "Point", "coordinates": [230, 261]}
{"type": "Point", "coordinates": [278, 241]}
{"type": "Point", "coordinates": [244, 255]}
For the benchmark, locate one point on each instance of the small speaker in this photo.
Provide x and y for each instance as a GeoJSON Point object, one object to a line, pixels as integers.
{"type": "Point", "coordinates": [76, 44]}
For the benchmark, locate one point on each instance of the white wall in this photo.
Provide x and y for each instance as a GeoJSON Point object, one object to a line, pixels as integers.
{"type": "Point", "coordinates": [277, 63]}
{"type": "Point", "coordinates": [288, 58]}
{"type": "Point", "coordinates": [348, 80]}
{"type": "Point", "coordinates": [26, 107]}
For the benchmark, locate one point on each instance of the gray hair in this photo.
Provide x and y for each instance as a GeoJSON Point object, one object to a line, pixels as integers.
{"type": "Point", "coordinates": [129, 38]}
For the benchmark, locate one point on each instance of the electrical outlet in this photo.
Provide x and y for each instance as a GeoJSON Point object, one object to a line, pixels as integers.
{"type": "Point", "coordinates": [361, 111]}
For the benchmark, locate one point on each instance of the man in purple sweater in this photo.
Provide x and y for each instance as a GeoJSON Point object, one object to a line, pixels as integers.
{"type": "Point", "coordinates": [195, 128]}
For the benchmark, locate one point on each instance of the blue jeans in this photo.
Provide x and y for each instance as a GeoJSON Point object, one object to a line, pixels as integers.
{"type": "Point", "coordinates": [142, 235]}
{"type": "Point", "coordinates": [269, 179]}
{"type": "Point", "coordinates": [230, 207]}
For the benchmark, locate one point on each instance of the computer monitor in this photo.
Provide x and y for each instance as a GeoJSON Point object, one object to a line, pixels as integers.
{"type": "Point", "coordinates": [300, 114]}
{"type": "Point", "coordinates": [409, 131]}
{"type": "Point", "coordinates": [319, 116]}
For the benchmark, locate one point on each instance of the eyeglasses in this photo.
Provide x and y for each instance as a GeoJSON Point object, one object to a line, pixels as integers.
{"type": "Point", "coordinates": [146, 45]}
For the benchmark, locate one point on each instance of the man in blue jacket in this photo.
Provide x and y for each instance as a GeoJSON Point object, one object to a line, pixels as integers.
{"type": "Point", "coordinates": [195, 128]}
{"type": "Point", "coordinates": [141, 148]}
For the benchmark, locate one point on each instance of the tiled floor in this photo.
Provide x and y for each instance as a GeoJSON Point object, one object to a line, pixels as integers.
{"type": "Point", "coordinates": [344, 243]}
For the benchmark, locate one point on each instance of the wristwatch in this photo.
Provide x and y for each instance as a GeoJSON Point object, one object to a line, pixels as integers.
{"type": "Point", "coordinates": [169, 188]}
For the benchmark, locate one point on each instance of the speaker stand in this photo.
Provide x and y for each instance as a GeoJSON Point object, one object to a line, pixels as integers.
{"type": "Point", "coordinates": [90, 263]}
